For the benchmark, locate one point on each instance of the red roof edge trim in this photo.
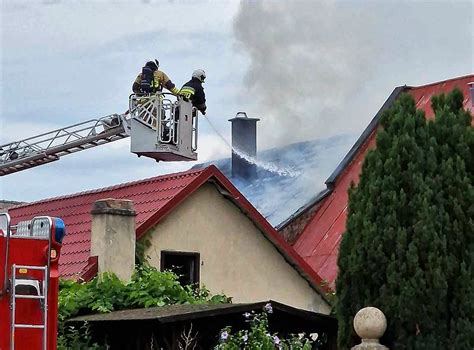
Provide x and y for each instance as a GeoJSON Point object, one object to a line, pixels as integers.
{"type": "Point", "coordinates": [170, 205]}
{"type": "Point", "coordinates": [315, 281]}
{"type": "Point", "coordinates": [91, 270]}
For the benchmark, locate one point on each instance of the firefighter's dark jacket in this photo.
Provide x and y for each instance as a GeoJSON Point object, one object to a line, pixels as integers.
{"type": "Point", "coordinates": [194, 91]}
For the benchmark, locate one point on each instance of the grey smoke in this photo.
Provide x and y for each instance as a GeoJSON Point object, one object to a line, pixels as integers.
{"type": "Point", "coordinates": [319, 68]}
{"type": "Point", "coordinates": [323, 68]}
{"type": "Point", "coordinates": [305, 62]}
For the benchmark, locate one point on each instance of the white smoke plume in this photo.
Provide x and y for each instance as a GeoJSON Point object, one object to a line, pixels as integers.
{"type": "Point", "coordinates": [306, 62]}
{"type": "Point", "coordinates": [319, 68]}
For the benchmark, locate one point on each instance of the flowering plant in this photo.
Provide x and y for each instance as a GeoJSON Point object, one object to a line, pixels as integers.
{"type": "Point", "coordinates": [259, 337]}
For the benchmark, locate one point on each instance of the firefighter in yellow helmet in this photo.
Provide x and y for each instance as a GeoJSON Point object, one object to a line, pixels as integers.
{"type": "Point", "coordinates": [152, 80]}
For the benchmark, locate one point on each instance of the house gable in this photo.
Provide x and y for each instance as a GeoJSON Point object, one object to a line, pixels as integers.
{"type": "Point", "coordinates": [236, 257]}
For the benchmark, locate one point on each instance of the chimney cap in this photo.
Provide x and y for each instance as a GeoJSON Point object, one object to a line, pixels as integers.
{"type": "Point", "coordinates": [243, 116]}
{"type": "Point", "coordinates": [114, 207]}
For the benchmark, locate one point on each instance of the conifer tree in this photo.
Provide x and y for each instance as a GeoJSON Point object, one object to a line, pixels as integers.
{"type": "Point", "coordinates": [455, 154]}
{"type": "Point", "coordinates": [403, 250]}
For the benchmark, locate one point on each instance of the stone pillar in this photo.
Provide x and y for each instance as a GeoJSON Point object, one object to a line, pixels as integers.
{"type": "Point", "coordinates": [370, 325]}
{"type": "Point", "coordinates": [113, 236]}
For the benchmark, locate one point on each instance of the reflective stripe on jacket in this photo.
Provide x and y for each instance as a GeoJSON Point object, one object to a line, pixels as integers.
{"type": "Point", "coordinates": [194, 91]}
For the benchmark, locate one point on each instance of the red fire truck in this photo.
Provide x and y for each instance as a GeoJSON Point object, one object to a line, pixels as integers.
{"type": "Point", "coordinates": [29, 281]}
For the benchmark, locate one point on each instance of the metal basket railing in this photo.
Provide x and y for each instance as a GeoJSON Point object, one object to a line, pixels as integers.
{"type": "Point", "coordinates": [158, 111]}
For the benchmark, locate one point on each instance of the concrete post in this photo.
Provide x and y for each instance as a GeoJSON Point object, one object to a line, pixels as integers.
{"type": "Point", "coordinates": [113, 236]}
{"type": "Point", "coordinates": [370, 325]}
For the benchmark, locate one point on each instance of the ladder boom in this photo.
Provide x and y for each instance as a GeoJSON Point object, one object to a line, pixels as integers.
{"type": "Point", "coordinates": [161, 126]}
{"type": "Point", "coordinates": [50, 146]}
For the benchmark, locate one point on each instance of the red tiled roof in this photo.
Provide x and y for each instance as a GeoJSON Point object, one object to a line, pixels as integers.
{"type": "Point", "coordinates": [148, 195]}
{"type": "Point", "coordinates": [423, 94]}
{"type": "Point", "coordinates": [153, 199]}
{"type": "Point", "coordinates": [319, 241]}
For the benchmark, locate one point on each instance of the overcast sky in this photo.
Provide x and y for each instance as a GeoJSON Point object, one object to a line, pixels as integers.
{"type": "Point", "coordinates": [307, 69]}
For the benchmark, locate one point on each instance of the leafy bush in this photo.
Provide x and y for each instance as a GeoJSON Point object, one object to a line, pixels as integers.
{"type": "Point", "coordinates": [148, 287]}
{"type": "Point", "coordinates": [105, 293]}
{"type": "Point", "coordinates": [259, 337]}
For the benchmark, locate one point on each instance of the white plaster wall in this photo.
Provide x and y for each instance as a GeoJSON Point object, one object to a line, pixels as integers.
{"type": "Point", "coordinates": [235, 256]}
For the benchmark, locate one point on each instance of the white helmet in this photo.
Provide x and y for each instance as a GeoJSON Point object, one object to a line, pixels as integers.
{"type": "Point", "coordinates": [199, 74]}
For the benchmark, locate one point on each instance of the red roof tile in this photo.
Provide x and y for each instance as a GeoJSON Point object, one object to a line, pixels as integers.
{"type": "Point", "coordinates": [423, 94]}
{"type": "Point", "coordinates": [148, 195]}
{"type": "Point", "coordinates": [153, 199]}
{"type": "Point", "coordinates": [319, 241]}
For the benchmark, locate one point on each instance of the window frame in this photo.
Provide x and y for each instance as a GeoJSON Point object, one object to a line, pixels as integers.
{"type": "Point", "coordinates": [197, 263]}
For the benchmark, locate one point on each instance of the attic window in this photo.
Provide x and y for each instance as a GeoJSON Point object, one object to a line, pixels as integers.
{"type": "Point", "coordinates": [184, 264]}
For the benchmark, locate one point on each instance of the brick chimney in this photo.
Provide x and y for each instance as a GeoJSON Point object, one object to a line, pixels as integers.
{"type": "Point", "coordinates": [244, 140]}
{"type": "Point", "coordinates": [113, 236]}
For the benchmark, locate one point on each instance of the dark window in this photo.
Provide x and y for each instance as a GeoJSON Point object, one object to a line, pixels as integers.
{"type": "Point", "coordinates": [185, 265]}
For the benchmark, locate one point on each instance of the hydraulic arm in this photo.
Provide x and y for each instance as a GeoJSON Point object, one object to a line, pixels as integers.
{"type": "Point", "coordinates": [161, 126]}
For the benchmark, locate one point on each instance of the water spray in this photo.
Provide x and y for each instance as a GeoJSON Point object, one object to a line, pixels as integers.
{"type": "Point", "coordinates": [264, 165]}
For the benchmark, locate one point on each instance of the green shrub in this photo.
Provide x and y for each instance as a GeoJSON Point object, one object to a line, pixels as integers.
{"type": "Point", "coordinates": [105, 293]}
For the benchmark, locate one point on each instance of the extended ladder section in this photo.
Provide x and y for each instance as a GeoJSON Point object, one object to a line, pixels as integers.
{"type": "Point", "coordinates": [162, 126]}
{"type": "Point", "coordinates": [29, 289]}
{"type": "Point", "coordinates": [50, 146]}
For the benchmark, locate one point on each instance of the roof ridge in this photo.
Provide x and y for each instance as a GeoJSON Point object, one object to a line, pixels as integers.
{"type": "Point", "coordinates": [442, 81]}
{"type": "Point", "coordinates": [190, 171]}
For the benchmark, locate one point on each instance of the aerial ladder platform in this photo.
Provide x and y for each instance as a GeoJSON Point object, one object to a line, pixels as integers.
{"type": "Point", "coordinates": [160, 126]}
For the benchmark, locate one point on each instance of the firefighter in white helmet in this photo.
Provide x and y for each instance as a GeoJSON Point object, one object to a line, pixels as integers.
{"type": "Point", "coordinates": [194, 91]}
